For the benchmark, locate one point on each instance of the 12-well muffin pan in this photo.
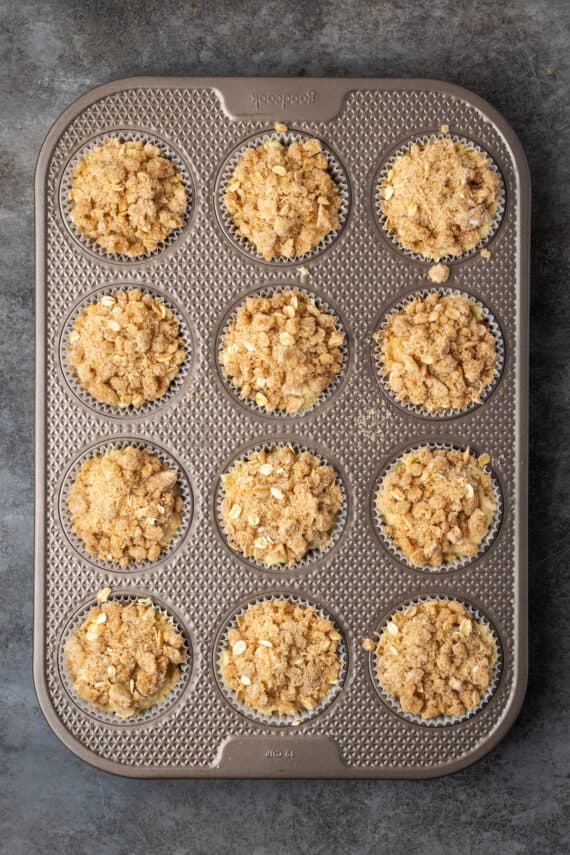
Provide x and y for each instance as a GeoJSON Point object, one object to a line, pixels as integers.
{"type": "Point", "coordinates": [204, 272]}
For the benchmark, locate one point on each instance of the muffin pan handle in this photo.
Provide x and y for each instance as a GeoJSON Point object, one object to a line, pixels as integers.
{"type": "Point", "coordinates": [282, 98]}
{"type": "Point", "coordinates": [280, 757]}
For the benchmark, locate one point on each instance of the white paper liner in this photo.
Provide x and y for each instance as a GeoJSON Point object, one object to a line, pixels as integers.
{"type": "Point", "coordinates": [451, 412]}
{"type": "Point", "coordinates": [336, 171]}
{"type": "Point", "coordinates": [183, 485]}
{"type": "Point", "coordinates": [108, 409]}
{"type": "Point", "coordinates": [325, 395]}
{"type": "Point", "coordinates": [286, 720]}
{"type": "Point", "coordinates": [313, 554]}
{"type": "Point", "coordinates": [381, 176]}
{"type": "Point", "coordinates": [442, 720]}
{"type": "Point", "coordinates": [124, 136]}
{"type": "Point", "coordinates": [447, 566]}
{"type": "Point", "coordinates": [155, 710]}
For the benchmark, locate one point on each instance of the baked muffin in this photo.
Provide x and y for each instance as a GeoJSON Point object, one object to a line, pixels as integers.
{"type": "Point", "coordinates": [127, 197]}
{"type": "Point", "coordinates": [435, 659]}
{"type": "Point", "coordinates": [437, 505]}
{"type": "Point", "coordinates": [125, 349]}
{"type": "Point", "coordinates": [282, 351]}
{"type": "Point", "coordinates": [440, 198]}
{"type": "Point", "coordinates": [282, 198]}
{"type": "Point", "coordinates": [125, 657]}
{"type": "Point", "coordinates": [279, 505]}
{"type": "Point", "coordinates": [282, 658]}
{"type": "Point", "coordinates": [125, 505]}
{"type": "Point", "coordinates": [437, 352]}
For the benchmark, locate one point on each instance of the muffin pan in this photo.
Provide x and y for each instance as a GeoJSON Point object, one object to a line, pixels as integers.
{"type": "Point", "coordinates": [204, 273]}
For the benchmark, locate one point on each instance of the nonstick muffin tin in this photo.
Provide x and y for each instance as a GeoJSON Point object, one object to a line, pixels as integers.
{"type": "Point", "coordinates": [201, 426]}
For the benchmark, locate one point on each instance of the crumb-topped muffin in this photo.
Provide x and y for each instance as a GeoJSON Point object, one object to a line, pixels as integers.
{"type": "Point", "coordinates": [282, 198]}
{"type": "Point", "coordinates": [125, 657]}
{"type": "Point", "coordinates": [435, 659]}
{"type": "Point", "coordinates": [125, 349]}
{"type": "Point", "coordinates": [127, 197]}
{"type": "Point", "coordinates": [125, 505]}
{"type": "Point", "coordinates": [282, 658]}
{"type": "Point", "coordinates": [437, 352]}
{"type": "Point", "coordinates": [282, 351]}
{"type": "Point", "coordinates": [440, 198]}
{"type": "Point", "coordinates": [437, 505]}
{"type": "Point", "coordinates": [278, 505]}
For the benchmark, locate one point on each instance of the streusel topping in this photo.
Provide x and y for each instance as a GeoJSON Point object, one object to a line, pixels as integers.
{"type": "Point", "coordinates": [282, 198]}
{"type": "Point", "coordinates": [127, 197]}
{"type": "Point", "coordinates": [438, 273]}
{"type": "Point", "coordinates": [280, 504]}
{"type": "Point", "coordinates": [125, 505]}
{"type": "Point", "coordinates": [124, 657]}
{"type": "Point", "coordinates": [282, 351]}
{"type": "Point", "coordinates": [437, 505]}
{"type": "Point", "coordinates": [438, 352]}
{"type": "Point", "coordinates": [435, 659]}
{"type": "Point", "coordinates": [440, 198]}
{"type": "Point", "coordinates": [125, 349]}
{"type": "Point", "coordinates": [282, 658]}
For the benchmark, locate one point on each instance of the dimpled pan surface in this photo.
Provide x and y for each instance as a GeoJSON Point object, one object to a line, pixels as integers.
{"type": "Point", "coordinates": [203, 272]}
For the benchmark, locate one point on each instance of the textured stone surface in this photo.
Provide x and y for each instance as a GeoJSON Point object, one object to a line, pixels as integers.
{"type": "Point", "coordinates": [514, 801]}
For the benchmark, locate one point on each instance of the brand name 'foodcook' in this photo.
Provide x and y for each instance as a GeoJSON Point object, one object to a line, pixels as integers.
{"type": "Point", "coordinates": [282, 99]}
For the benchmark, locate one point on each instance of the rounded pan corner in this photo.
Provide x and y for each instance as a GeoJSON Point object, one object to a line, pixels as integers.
{"type": "Point", "coordinates": [69, 741]}
{"type": "Point", "coordinates": [510, 715]}
{"type": "Point", "coordinates": [71, 112]}
{"type": "Point", "coordinates": [491, 113]}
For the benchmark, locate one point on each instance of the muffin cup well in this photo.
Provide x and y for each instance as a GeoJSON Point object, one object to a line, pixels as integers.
{"type": "Point", "coordinates": [98, 450]}
{"type": "Point", "coordinates": [381, 176]}
{"type": "Point", "coordinates": [414, 409]}
{"type": "Point", "coordinates": [152, 713]}
{"type": "Point", "coordinates": [221, 643]}
{"type": "Point", "coordinates": [127, 135]}
{"type": "Point", "coordinates": [314, 555]}
{"type": "Point", "coordinates": [442, 720]}
{"type": "Point", "coordinates": [149, 407]}
{"type": "Point", "coordinates": [449, 566]}
{"type": "Point", "coordinates": [336, 171]}
{"type": "Point", "coordinates": [235, 391]}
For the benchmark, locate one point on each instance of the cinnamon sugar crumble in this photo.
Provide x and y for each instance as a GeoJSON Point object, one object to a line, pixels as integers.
{"type": "Point", "coordinates": [282, 351]}
{"type": "Point", "coordinates": [436, 505]}
{"type": "Point", "coordinates": [438, 352]}
{"type": "Point", "coordinates": [282, 658]}
{"type": "Point", "coordinates": [435, 659]}
{"type": "Point", "coordinates": [125, 505]}
{"type": "Point", "coordinates": [439, 273]}
{"type": "Point", "coordinates": [124, 657]}
{"type": "Point", "coordinates": [282, 198]}
{"type": "Point", "coordinates": [103, 595]}
{"type": "Point", "coordinates": [127, 197]}
{"type": "Point", "coordinates": [125, 349]}
{"type": "Point", "coordinates": [280, 504]}
{"type": "Point", "coordinates": [440, 198]}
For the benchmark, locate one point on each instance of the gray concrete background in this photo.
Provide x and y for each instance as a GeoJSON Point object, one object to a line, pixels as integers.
{"type": "Point", "coordinates": [515, 54]}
